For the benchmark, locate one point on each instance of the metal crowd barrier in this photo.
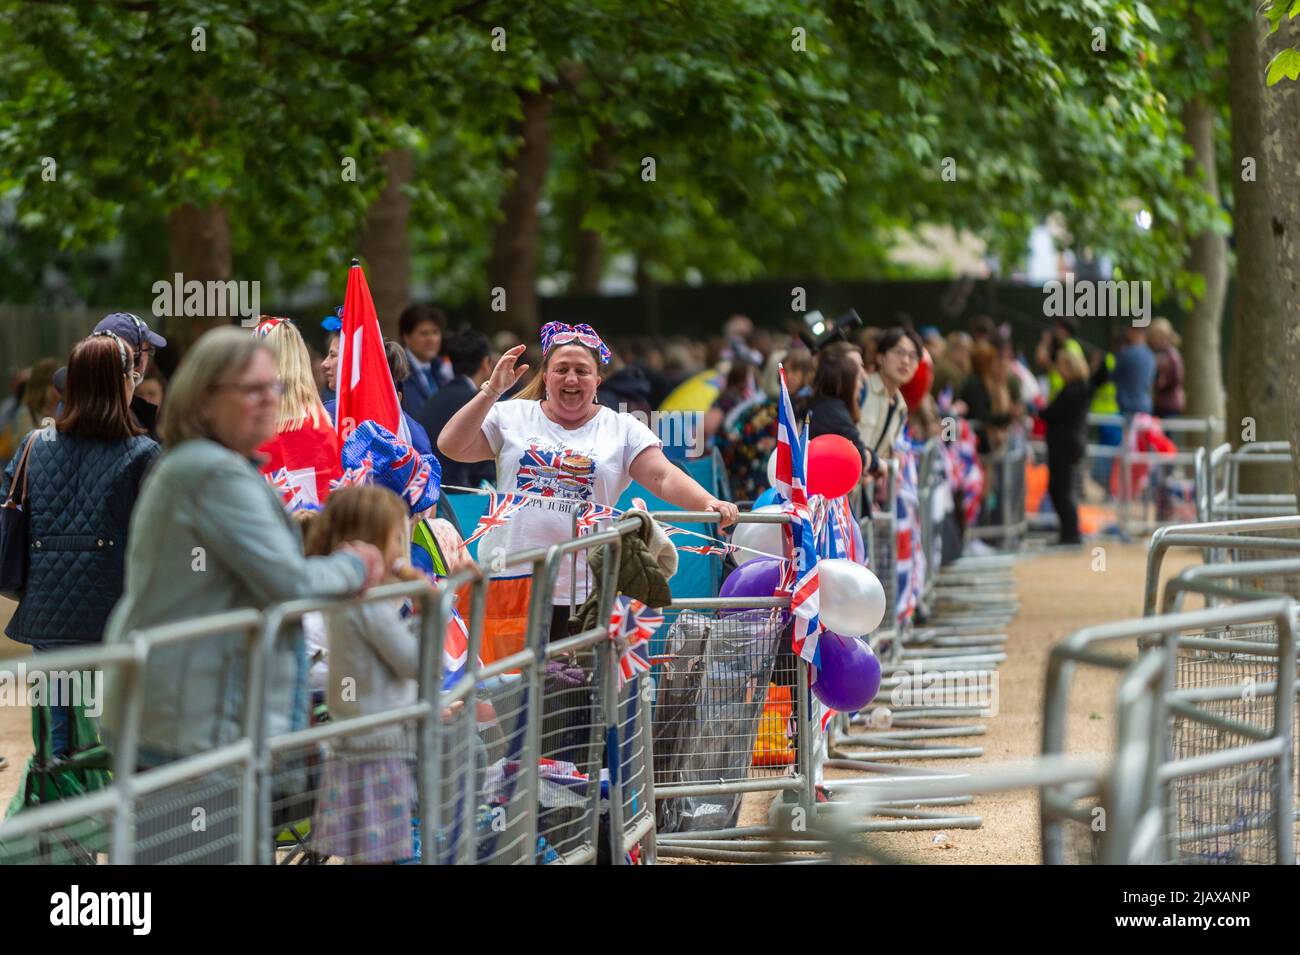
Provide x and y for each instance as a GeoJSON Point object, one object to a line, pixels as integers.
{"type": "Point", "coordinates": [201, 808]}
{"type": "Point", "coordinates": [1219, 786]}
{"type": "Point", "coordinates": [1121, 812]}
{"type": "Point", "coordinates": [505, 765]}
{"type": "Point", "coordinates": [1142, 513]}
{"type": "Point", "coordinates": [963, 603]}
{"type": "Point", "coordinates": [1221, 541]}
{"type": "Point", "coordinates": [1218, 481]}
{"type": "Point", "coordinates": [717, 663]}
{"type": "Point", "coordinates": [1002, 518]}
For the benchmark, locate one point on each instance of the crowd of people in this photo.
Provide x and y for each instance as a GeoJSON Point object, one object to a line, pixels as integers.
{"type": "Point", "coordinates": [235, 469]}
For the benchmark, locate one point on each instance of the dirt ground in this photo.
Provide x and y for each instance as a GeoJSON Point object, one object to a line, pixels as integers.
{"type": "Point", "coordinates": [1059, 593]}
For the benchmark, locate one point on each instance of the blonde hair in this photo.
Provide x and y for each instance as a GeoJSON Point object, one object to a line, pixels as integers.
{"type": "Point", "coordinates": [216, 354]}
{"type": "Point", "coordinates": [293, 366]}
{"type": "Point", "coordinates": [1075, 368]}
{"type": "Point", "coordinates": [362, 512]}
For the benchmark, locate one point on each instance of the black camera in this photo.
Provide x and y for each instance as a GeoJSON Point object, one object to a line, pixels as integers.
{"type": "Point", "coordinates": [820, 331]}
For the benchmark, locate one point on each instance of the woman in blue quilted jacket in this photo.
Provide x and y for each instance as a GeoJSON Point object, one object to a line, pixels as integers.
{"type": "Point", "coordinates": [83, 476]}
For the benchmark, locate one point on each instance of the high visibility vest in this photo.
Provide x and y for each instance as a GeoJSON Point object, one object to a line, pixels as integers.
{"type": "Point", "coordinates": [1106, 400]}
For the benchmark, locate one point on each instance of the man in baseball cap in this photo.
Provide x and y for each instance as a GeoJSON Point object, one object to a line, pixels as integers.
{"type": "Point", "coordinates": [143, 340]}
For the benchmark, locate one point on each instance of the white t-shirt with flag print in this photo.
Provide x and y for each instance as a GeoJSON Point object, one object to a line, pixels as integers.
{"type": "Point", "coordinates": [564, 469]}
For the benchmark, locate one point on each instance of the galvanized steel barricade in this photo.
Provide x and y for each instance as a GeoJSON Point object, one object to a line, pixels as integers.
{"type": "Point", "coordinates": [198, 808]}
{"type": "Point", "coordinates": [1126, 799]}
{"type": "Point", "coordinates": [964, 603]}
{"type": "Point", "coordinates": [1002, 518]}
{"type": "Point", "coordinates": [1218, 481]}
{"type": "Point", "coordinates": [730, 717]}
{"type": "Point", "coordinates": [1166, 478]}
{"type": "Point", "coordinates": [584, 736]}
{"type": "Point", "coordinates": [1224, 541]}
{"type": "Point", "coordinates": [325, 787]}
{"type": "Point", "coordinates": [1221, 788]}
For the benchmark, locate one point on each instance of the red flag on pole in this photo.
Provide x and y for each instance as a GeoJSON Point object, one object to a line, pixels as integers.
{"type": "Point", "coordinates": [365, 386]}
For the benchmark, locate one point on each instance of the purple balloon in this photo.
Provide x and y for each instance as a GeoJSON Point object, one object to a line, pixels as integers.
{"type": "Point", "coordinates": [849, 675]}
{"type": "Point", "coordinates": [753, 578]}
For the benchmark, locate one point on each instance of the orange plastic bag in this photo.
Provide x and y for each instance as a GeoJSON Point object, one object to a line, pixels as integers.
{"type": "Point", "coordinates": [505, 617]}
{"type": "Point", "coordinates": [1035, 486]}
{"type": "Point", "coordinates": [772, 745]}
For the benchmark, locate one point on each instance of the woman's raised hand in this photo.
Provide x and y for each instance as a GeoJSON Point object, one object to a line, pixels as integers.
{"type": "Point", "coordinates": [505, 374]}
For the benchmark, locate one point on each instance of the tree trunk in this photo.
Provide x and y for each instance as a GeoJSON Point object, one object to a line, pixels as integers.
{"type": "Point", "coordinates": [385, 242]}
{"type": "Point", "coordinates": [1209, 258]}
{"type": "Point", "coordinates": [1281, 129]}
{"type": "Point", "coordinates": [512, 265]}
{"type": "Point", "coordinates": [200, 250]}
{"type": "Point", "coordinates": [1256, 405]}
{"type": "Point", "coordinates": [590, 266]}
{"type": "Point", "coordinates": [647, 290]}
{"type": "Point", "coordinates": [590, 261]}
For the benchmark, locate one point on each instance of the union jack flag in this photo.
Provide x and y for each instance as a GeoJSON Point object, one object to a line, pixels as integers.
{"type": "Point", "coordinates": [500, 508]}
{"type": "Point", "coordinates": [631, 625]}
{"type": "Point", "coordinates": [589, 514]}
{"type": "Point", "coordinates": [455, 651]}
{"type": "Point", "coordinates": [910, 559]}
{"type": "Point", "coordinates": [710, 550]}
{"type": "Point", "coordinates": [292, 487]}
{"type": "Point", "coordinates": [357, 475]}
{"type": "Point", "coordinates": [800, 574]}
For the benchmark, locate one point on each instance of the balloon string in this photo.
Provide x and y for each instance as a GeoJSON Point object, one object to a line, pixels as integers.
{"type": "Point", "coordinates": [617, 511]}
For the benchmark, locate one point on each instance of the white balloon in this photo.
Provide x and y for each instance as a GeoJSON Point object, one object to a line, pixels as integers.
{"type": "Point", "coordinates": [771, 470]}
{"type": "Point", "coordinates": [882, 718]}
{"type": "Point", "coordinates": [764, 537]}
{"type": "Point", "coordinates": [852, 602]}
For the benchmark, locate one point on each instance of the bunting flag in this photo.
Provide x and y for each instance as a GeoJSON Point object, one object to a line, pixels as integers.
{"type": "Point", "coordinates": [501, 508]}
{"type": "Point", "coordinates": [631, 625]}
{"type": "Point", "coordinates": [365, 387]}
{"type": "Point", "coordinates": [589, 514]}
{"type": "Point", "coordinates": [710, 550]}
{"type": "Point", "coordinates": [800, 574]}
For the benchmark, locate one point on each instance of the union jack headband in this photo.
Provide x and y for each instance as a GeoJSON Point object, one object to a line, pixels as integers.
{"type": "Point", "coordinates": [267, 323]}
{"type": "Point", "coordinates": [558, 333]}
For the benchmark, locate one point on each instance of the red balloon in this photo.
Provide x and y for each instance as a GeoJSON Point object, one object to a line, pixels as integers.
{"type": "Point", "coordinates": [834, 465]}
{"type": "Point", "coordinates": [922, 378]}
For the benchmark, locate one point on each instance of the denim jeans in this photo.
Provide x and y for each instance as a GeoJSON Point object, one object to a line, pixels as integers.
{"type": "Point", "coordinates": [60, 716]}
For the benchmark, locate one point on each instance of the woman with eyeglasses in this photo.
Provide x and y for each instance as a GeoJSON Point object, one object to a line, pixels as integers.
{"type": "Point", "coordinates": [82, 475]}
{"type": "Point", "coordinates": [209, 534]}
{"type": "Point", "coordinates": [883, 410]}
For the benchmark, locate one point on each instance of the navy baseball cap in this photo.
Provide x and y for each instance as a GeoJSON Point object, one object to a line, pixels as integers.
{"type": "Point", "coordinates": [131, 329]}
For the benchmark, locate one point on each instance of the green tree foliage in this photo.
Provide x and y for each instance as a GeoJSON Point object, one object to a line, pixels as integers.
{"type": "Point", "coordinates": [789, 136]}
